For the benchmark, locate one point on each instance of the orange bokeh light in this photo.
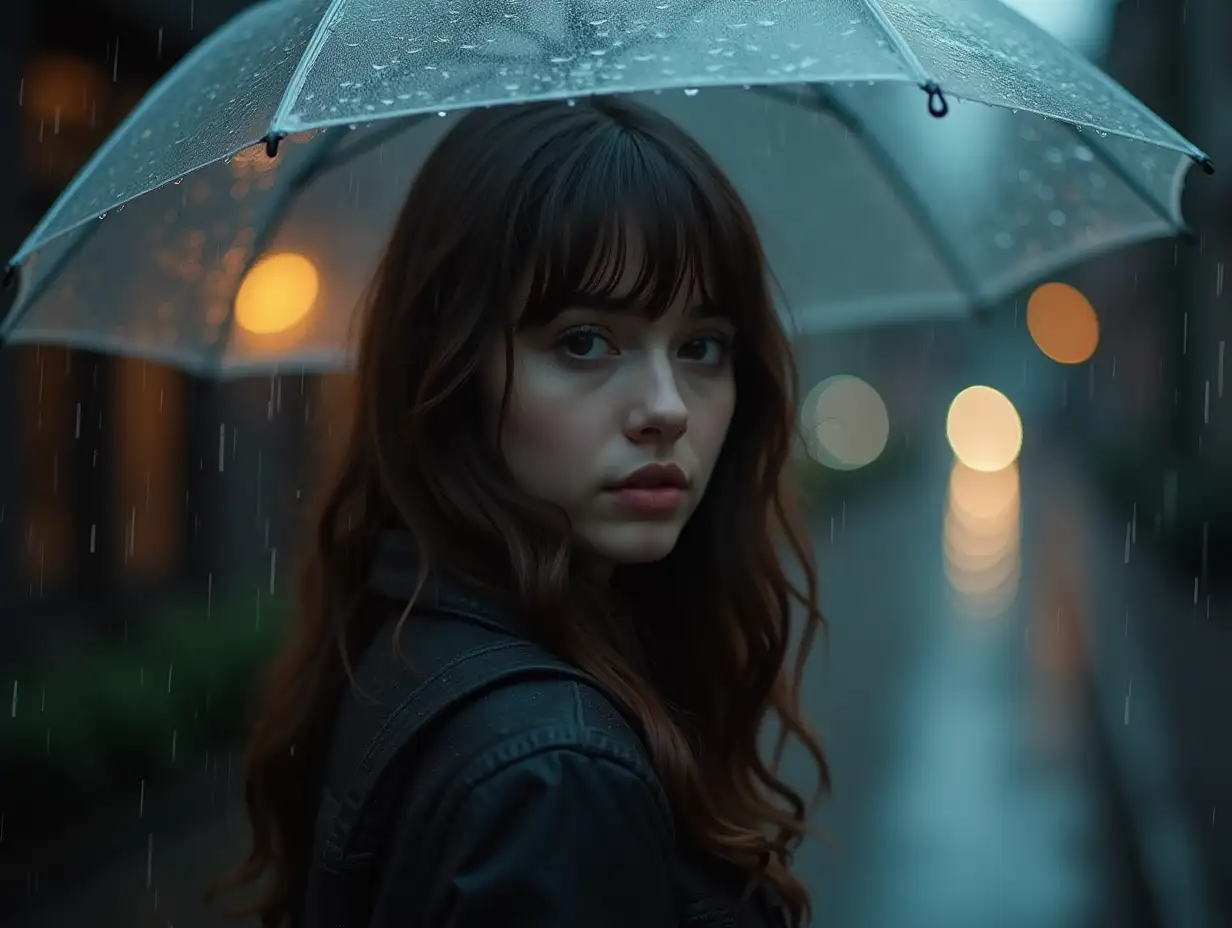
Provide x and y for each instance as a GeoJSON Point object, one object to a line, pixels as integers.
{"type": "Point", "coordinates": [277, 294]}
{"type": "Point", "coordinates": [1063, 323]}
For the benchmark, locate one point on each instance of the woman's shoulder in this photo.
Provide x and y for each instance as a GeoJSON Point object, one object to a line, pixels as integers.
{"type": "Point", "coordinates": [557, 810]}
{"type": "Point", "coordinates": [515, 717]}
{"type": "Point", "coordinates": [534, 720]}
{"type": "Point", "coordinates": [542, 786]}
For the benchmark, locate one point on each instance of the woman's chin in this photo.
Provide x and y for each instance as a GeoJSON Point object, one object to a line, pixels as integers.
{"type": "Point", "coordinates": [632, 542]}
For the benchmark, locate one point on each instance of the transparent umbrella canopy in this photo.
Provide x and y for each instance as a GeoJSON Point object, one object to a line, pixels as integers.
{"type": "Point", "coordinates": [232, 223]}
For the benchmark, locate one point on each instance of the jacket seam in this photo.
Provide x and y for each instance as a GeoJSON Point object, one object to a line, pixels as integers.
{"type": "Point", "coordinates": [518, 748]}
{"type": "Point", "coordinates": [579, 711]}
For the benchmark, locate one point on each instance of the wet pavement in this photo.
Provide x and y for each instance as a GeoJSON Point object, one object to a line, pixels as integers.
{"type": "Point", "coordinates": [972, 787]}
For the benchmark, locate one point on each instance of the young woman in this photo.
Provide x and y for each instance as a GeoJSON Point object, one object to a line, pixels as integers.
{"type": "Point", "coordinates": [574, 410]}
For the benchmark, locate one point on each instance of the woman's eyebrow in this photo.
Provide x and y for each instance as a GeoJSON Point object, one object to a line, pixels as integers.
{"type": "Point", "coordinates": [707, 309]}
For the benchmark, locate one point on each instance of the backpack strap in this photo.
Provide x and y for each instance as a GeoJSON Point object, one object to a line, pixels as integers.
{"type": "Point", "coordinates": [342, 882]}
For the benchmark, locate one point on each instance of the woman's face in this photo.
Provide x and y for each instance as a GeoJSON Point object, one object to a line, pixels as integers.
{"type": "Point", "coordinates": [598, 395]}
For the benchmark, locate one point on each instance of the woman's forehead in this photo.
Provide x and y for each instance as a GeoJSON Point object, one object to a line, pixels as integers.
{"type": "Point", "coordinates": [623, 270]}
{"type": "Point", "coordinates": [615, 266]}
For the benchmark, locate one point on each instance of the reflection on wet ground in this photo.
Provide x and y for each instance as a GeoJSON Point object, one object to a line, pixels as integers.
{"type": "Point", "coordinates": [970, 786]}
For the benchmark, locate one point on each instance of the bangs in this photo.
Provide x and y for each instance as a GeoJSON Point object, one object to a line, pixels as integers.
{"type": "Point", "coordinates": [624, 223]}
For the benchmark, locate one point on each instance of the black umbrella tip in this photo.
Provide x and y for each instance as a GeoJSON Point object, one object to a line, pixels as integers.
{"type": "Point", "coordinates": [938, 105]}
{"type": "Point", "coordinates": [10, 276]}
{"type": "Point", "coordinates": [1208, 166]}
{"type": "Point", "coordinates": [272, 141]}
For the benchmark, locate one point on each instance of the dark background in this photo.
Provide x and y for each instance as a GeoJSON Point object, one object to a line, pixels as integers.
{"type": "Point", "coordinates": [192, 602]}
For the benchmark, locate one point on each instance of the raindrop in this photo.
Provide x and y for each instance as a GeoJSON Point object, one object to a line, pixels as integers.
{"type": "Point", "coordinates": [1219, 370]}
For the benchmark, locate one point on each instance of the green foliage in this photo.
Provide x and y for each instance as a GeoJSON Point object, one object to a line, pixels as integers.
{"type": "Point", "coordinates": [90, 722]}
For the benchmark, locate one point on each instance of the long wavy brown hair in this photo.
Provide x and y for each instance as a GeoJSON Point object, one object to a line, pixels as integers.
{"type": "Point", "coordinates": [535, 193]}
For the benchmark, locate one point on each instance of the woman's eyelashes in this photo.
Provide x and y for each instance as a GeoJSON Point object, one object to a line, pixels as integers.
{"type": "Point", "coordinates": [585, 343]}
{"type": "Point", "coordinates": [588, 343]}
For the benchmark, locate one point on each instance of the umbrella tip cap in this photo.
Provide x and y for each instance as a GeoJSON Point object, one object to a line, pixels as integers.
{"type": "Point", "coordinates": [938, 105]}
{"type": "Point", "coordinates": [1208, 166]}
{"type": "Point", "coordinates": [272, 141]}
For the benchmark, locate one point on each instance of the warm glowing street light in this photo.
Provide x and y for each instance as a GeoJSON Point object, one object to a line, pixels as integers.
{"type": "Point", "coordinates": [984, 429]}
{"type": "Point", "coordinates": [277, 293]}
{"type": "Point", "coordinates": [1063, 323]}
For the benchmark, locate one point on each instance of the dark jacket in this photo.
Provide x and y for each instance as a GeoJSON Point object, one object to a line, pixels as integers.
{"type": "Point", "coordinates": [533, 805]}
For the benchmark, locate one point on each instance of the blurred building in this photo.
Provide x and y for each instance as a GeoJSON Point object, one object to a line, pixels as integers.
{"type": "Point", "coordinates": [12, 54]}
{"type": "Point", "coordinates": [1165, 418]}
{"type": "Point", "coordinates": [129, 479]}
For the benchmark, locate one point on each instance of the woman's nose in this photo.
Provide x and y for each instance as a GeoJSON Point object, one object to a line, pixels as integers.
{"type": "Point", "coordinates": [660, 413]}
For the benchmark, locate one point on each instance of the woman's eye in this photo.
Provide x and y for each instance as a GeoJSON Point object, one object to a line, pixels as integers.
{"type": "Point", "coordinates": [708, 350]}
{"type": "Point", "coordinates": [585, 345]}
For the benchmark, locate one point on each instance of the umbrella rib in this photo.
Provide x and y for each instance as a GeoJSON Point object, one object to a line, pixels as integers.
{"type": "Point", "coordinates": [325, 28]}
{"type": "Point", "coordinates": [923, 78]}
{"type": "Point", "coordinates": [138, 112]}
{"type": "Point", "coordinates": [305, 171]}
{"type": "Point", "coordinates": [1113, 164]}
{"type": "Point", "coordinates": [950, 259]}
{"type": "Point", "coordinates": [20, 308]}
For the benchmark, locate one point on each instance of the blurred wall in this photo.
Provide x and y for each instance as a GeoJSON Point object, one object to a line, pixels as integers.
{"type": "Point", "coordinates": [1207, 70]}
{"type": "Point", "coordinates": [12, 59]}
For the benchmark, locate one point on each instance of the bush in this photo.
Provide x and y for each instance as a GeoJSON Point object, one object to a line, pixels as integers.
{"type": "Point", "coordinates": [105, 719]}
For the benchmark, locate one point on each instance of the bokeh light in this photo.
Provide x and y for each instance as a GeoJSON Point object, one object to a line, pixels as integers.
{"type": "Point", "coordinates": [981, 538]}
{"type": "Point", "coordinates": [1063, 323]}
{"type": "Point", "coordinates": [63, 90]}
{"type": "Point", "coordinates": [845, 421]}
{"type": "Point", "coordinates": [277, 293]}
{"type": "Point", "coordinates": [984, 429]}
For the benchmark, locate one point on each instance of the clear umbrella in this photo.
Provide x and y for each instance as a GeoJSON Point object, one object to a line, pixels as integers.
{"type": "Point", "coordinates": [232, 222]}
